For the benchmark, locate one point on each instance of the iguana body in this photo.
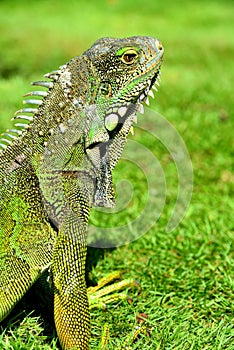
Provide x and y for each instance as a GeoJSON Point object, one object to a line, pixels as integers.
{"type": "Point", "coordinates": [58, 162]}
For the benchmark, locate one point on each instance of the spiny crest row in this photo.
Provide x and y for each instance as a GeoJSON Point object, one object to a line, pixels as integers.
{"type": "Point", "coordinates": [26, 115]}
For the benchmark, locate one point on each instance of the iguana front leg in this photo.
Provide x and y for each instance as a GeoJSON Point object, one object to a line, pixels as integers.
{"type": "Point", "coordinates": [71, 310]}
{"type": "Point", "coordinates": [68, 208]}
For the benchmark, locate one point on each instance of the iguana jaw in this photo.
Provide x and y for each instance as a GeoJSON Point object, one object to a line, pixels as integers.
{"type": "Point", "coordinates": [152, 85]}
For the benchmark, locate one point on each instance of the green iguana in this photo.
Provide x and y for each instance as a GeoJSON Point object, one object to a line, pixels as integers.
{"type": "Point", "coordinates": [57, 162]}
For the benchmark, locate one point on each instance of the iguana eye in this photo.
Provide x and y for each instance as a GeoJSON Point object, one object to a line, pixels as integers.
{"type": "Point", "coordinates": [129, 56]}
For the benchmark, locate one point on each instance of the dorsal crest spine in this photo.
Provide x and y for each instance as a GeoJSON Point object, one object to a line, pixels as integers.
{"type": "Point", "coordinates": [25, 116]}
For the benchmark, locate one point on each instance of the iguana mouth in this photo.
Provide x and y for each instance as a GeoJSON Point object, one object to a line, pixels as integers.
{"type": "Point", "coordinates": [152, 85]}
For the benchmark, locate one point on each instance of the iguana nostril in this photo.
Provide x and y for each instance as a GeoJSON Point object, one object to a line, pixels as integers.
{"type": "Point", "coordinates": [158, 45]}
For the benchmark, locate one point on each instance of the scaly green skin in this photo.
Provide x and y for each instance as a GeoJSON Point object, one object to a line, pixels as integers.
{"type": "Point", "coordinates": [57, 163]}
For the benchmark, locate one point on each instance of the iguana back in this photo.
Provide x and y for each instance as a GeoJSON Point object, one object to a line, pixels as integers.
{"type": "Point", "coordinates": [57, 162]}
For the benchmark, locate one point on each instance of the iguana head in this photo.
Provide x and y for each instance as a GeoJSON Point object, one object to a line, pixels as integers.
{"type": "Point", "coordinates": [126, 71]}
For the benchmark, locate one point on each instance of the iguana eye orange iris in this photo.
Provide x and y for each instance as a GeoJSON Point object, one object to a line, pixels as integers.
{"type": "Point", "coordinates": [129, 56]}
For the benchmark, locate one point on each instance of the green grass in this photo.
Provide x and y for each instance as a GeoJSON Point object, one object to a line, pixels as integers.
{"type": "Point", "coordinates": [187, 274]}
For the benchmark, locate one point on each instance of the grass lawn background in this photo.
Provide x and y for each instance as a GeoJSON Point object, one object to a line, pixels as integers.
{"type": "Point", "coordinates": [186, 275]}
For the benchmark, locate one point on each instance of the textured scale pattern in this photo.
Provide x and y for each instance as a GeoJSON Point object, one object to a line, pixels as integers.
{"type": "Point", "coordinates": [57, 162]}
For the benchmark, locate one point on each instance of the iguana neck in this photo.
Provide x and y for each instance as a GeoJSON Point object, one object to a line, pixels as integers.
{"type": "Point", "coordinates": [74, 86]}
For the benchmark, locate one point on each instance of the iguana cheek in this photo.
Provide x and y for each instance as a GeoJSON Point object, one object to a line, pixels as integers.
{"type": "Point", "coordinates": [111, 121]}
{"type": "Point", "coordinates": [122, 111]}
